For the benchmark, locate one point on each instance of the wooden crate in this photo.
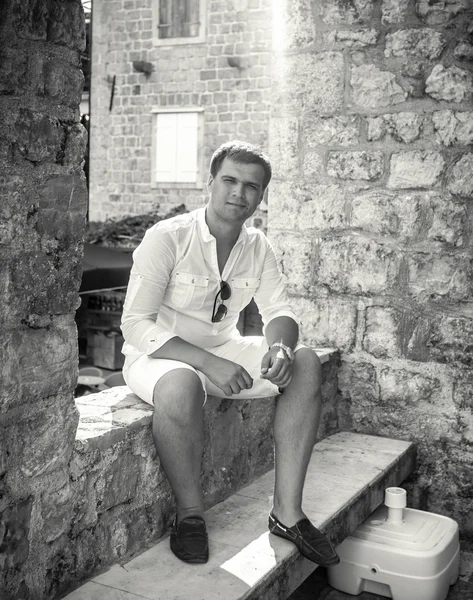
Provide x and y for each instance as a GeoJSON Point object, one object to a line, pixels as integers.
{"type": "Point", "coordinates": [104, 349]}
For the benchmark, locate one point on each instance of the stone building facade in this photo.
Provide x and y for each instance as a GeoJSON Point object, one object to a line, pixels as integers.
{"type": "Point", "coordinates": [371, 134]}
{"type": "Point", "coordinates": [225, 79]}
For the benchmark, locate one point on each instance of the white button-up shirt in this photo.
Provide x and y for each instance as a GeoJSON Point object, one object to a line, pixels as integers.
{"type": "Point", "coordinates": [175, 279]}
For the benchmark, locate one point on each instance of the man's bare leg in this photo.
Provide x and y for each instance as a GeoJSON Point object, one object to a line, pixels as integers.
{"type": "Point", "coordinates": [295, 427]}
{"type": "Point", "coordinates": [178, 432]}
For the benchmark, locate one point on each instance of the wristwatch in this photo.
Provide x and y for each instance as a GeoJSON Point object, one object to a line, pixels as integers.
{"type": "Point", "coordinates": [289, 351]}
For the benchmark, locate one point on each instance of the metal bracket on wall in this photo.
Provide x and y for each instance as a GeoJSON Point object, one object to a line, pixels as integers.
{"type": "Point", "coordinates": [112, 93]}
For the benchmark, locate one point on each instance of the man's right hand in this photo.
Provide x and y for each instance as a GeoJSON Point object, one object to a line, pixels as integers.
{"type": "Point", "coordinates": [230, 377]}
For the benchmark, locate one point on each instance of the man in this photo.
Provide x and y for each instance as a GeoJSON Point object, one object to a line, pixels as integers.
{"type": "Point", "coordinates": [191, 277]}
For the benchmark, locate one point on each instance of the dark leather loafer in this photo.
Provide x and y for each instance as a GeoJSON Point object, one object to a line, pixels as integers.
{"type": "Point", "coordinates": [310, 542]}
{"type": "Point", "coordinates": [189, 540]}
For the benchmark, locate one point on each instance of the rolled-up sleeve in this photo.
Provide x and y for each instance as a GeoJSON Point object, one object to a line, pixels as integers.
{"type": "Point", "coordinates": [153, 262]}
{"type": "Point", "coordinates": [271, 296]}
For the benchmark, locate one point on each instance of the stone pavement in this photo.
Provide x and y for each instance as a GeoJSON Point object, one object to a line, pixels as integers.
{"type": "Point", "coordinates": [315, 587]}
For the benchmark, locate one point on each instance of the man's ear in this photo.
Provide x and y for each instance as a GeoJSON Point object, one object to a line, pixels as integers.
{"type": "Point", "coordinates": [210, 180]}
{"type": "Point", "coordinates": [264, 195]}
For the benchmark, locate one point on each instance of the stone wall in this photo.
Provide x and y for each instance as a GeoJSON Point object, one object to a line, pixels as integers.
{"type": "Point", "coordinates": [371, 135]}
{"type": "Point", "coordinates": [228, 75]}
{"type": "Point", "coordinates": [42, 217]}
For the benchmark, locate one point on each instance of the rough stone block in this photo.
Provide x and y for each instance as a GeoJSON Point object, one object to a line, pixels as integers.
{"type": "Point", "coordinates": [57, 507]}
{"type": "Point", "coordinates": [284, 142]}
{"type": "Point", "coordinates": [41, 349]}
{"type": "Point", "coordinates": [42, 440]}
{"type": "Point", "coordinates": [296, 255]}
{"type": "Point", "coordinates": [450, 342]}
{"type": "Point", "coordinates": [415, 169]}
{"type": "Point", "coordinates": [117, 482]}
{"type": "Point", "coordinates": [296, 26]}
{"type": "Point", "coordinates": [37, 137]}
{"type": "Point", "coordinates": [420, 43]}
{"type": "Point", "coordinates": [56, 188]}
{"type": "Point", "coordinates": [312, 165]}
{"type": "Point", "coordinates": [58, 23]}
{"type": "Point", "coordinates": [414, 216]}
{"type": "Point", "coordinates": [355, 266]}
{"type": "Point", "coordinates": [358, 380]}
{"type": "Point", "coordinates": [306, 206]}
{"type": "Point", "coordinates": [437, 13]}
{"type": "Point", "coordinates": [392, 333]}
{"type": "Point", "coordinates": [449, 83]}
{"type": "Point", "coordinates": [404, 127]}
{"type": "Point", "coordinates": [41, 281]}
{"type": "Point", "coordinates": [374, 88]}
{"type": "Point", "coordinates": [432, 276]}
{"type": "Point", "coordinates": [76, 143]}
{"type": "Point", "coordinates": [462, 386]}
{"type": "Point", "coordinates": [346, 13]}
{"type": "Point", "coordinates": [352, 39]}
{"type": "Point", "coordinates": [453, 127]}
{"type": "Point", "coordinates": [363, 165]}
{"type": "Point", "coordinates": [13, 65]}
{"type": "Point", "coordinates": [326, 321]}
{"type": "Point", "coordinates": [394, 12]}
{"type": "Point", "coordinates": [316, 130]}
{"type": "Point", "coordinates": [463, 51]}
{"type": "Point", "coordinates": [377, 128]}
{"type": "Point", "coordinates": [308, 81]}
{"type": "Point", "coordinates": [383, 212]}
{"type": "Point", "coordinates": [14, 534]}
{"type": "Point", "coordinates": [62, 82]}
{"type": "Point", "coordinates": [459, 178]}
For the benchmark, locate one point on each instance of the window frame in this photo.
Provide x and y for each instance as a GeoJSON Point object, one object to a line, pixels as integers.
{"type": "Point", "coordinates": [199, 183]}
{"type": "Point", "coordinates": [201, 38]}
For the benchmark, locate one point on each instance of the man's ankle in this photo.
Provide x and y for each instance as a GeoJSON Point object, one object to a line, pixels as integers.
{"type": "Point", "coordinates": [193, 511]}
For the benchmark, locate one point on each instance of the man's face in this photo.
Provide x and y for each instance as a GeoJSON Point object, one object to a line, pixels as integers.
{"type": "Point", "coordinates": [237, 190]}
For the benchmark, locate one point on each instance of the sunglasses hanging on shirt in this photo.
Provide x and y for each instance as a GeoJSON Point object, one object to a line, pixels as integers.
{"type": "Point", "coordinates": [218, 314]}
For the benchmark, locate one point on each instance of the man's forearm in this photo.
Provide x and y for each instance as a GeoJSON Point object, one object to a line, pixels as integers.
{"type": "Point", "coordinates": [178, 349]}
{"type": "Point", "coordinates": [282, 329]}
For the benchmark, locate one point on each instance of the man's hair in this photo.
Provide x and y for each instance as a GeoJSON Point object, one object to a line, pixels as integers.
{"type": "Point", "coordinates": [242, 152]}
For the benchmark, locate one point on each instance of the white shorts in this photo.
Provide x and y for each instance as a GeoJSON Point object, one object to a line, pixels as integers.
{"type": "Point", "coordinates": [144, 373]}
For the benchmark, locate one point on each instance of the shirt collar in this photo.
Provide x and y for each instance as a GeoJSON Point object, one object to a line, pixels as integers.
{"type": "Point", "coordinates": [205, 231]}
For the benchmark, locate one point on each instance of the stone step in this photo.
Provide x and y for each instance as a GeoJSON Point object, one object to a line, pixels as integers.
{"type": "Point", "coordinates": [345, 483]}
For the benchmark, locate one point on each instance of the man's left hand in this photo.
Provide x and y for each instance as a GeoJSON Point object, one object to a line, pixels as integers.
{"type": "Point", "coordinates": [276, 367]}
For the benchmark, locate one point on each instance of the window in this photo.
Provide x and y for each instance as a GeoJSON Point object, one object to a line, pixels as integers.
{"type": "Point", "coordinates": [177, 148]}
{"type": "Point", "coordinates": [178, 21]}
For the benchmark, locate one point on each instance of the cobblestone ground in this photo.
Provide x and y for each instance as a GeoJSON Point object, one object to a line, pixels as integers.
{"type": "Point", "coordinates": [316, 587]}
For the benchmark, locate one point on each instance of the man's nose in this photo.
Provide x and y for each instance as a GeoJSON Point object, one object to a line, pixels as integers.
{"type": "Point", "coordinates": [238, 190]}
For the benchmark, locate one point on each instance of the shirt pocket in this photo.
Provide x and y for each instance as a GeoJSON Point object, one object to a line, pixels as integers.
{"type": "Point", "coordinates": [243, 290]}
{"type": "Point", "coordinates": [190, 291]}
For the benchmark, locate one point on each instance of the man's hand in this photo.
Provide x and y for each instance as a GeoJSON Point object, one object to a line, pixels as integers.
{"type": "Point", "coordinates": [276, 367]}
{"type": "Point", "coordinates": [230, 377]}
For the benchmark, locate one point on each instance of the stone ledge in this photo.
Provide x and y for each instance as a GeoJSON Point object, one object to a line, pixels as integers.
{"type": "Point", "coordinates": [107, 417]}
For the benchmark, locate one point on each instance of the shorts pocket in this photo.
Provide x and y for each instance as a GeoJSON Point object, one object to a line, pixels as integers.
{"type": "Point", "coordinates": [243, 290]}
{"type": "Point", "coordinates": [189, 291]}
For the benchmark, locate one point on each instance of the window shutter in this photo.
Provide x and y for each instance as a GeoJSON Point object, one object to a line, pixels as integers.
{"type": "Point", "coordinates": [166, 147]}
{"type": "Point", "coordinates": [179, 18]}
{"type": "Point", "coordinates": [187, 126]}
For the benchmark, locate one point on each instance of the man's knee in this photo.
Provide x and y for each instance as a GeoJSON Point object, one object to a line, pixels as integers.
{"type": "Point", "coordinates": [309, 368]}
{"type": "Point", "coordinates": [179, 394]}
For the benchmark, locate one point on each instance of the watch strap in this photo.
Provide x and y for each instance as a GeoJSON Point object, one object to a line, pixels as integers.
{"type": "Point", "coordinates": [289, 351]}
